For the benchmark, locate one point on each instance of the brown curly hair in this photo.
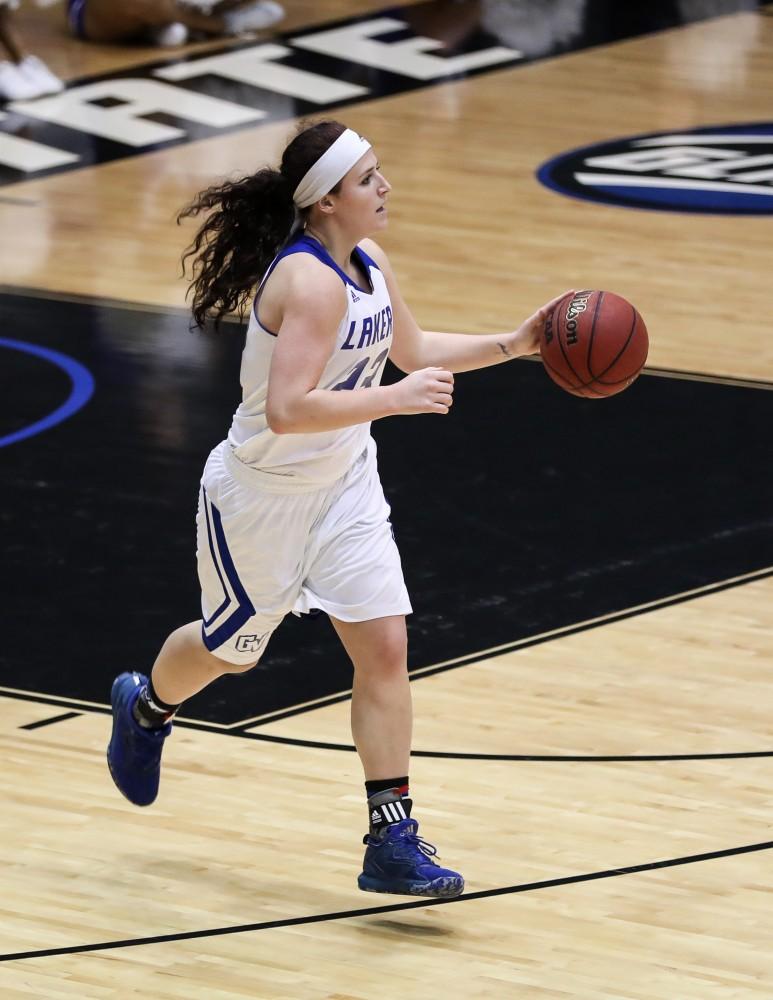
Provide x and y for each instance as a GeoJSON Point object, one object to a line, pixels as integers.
{"type": "Point", "coordinates": [247, 222]}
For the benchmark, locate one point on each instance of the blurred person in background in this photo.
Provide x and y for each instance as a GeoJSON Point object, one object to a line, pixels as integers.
{"type": "Point", "coordinates": [168, 22]}
{"type": "Point", "coordinates": [22, 75]}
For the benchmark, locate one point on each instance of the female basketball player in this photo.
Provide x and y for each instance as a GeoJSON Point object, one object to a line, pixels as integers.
{"type": "Point", "coordinates": [292, 515]}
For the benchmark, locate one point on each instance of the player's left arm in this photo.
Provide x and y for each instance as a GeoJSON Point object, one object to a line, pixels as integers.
{"type": "Point", "coordinates": [414, 348]}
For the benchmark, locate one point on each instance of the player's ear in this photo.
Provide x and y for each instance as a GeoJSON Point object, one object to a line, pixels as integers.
{"type": "Point", "coordinates": [326, 204]}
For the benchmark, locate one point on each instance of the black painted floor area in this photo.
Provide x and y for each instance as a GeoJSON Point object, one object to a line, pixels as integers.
{"type": "Point", "coordinates": [524, 510]}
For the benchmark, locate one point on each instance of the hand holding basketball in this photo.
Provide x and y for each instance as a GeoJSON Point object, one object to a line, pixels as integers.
{"type": "Point", "coordinates": [593, 343]}
{"type": "Point", "coordinates": [527, 338]}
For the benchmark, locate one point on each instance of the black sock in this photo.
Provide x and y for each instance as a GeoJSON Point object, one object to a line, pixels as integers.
{"type": "Point", "coordinates": [388, 803]}
{"type": "Point", "coordinates": [150, 711]}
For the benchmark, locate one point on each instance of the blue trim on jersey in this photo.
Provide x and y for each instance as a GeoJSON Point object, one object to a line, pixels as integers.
{"type": "Point", "coordinates": [307, 244]}
{"type": "Point", "coordinates": [245, 609]}
{"type": "Point", "coordinates": [367, 262]}
{"type": "Point", "coordinates": [265, 329]}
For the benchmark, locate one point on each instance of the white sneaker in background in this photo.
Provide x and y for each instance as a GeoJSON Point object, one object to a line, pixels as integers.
{"type": "Point", "coordinates": [202, 6]}
{"type": "Point", "coordinates": [14, 86]}
{"type": "Point", "coordinates": [170, 35]}
{"type": "Point", "coordinates": [260, 15]}
{"type": "Point", "coordinates": [39, 77]}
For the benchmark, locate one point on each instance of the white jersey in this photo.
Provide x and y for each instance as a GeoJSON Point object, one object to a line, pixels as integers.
{"type": "Point", "coordinates": [290, 462]}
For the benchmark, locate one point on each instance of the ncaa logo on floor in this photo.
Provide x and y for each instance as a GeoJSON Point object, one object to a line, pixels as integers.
{"type": "Point", "coordinates": [724, 170]}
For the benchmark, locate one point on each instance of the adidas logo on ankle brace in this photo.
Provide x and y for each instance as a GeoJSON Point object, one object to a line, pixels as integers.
{"type": "Point", "coordinates": [387, 813]}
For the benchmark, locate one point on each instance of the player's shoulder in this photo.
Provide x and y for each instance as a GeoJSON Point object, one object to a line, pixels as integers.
{"type": "Point", "coordinates": [380, 259]}
{"type": "Point", "coordinates": [303, 289]}
{"type": "Point", "coordinates": [375, 252]}
{"type": "Point", "coordinates": [304, 277]}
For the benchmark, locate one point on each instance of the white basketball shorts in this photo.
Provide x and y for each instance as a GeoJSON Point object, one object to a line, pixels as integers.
{"type": "Point", "coordinates": [262, 553]}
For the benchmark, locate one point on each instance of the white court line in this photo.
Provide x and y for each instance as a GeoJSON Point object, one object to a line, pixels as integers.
{"type": "Point", "coordinates": [645, 181]}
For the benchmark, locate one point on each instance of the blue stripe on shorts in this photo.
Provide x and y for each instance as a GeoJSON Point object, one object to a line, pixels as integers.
{"type": "Point", "coordinates": [244, 609]}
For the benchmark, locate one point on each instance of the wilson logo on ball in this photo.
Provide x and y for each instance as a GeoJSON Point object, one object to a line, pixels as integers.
{"type": "Point", "coordinates": [594, 344]}
{"type": "Point", "coordinates": [577, 306]}
{"type": "Point", "coordinates": [725, 170]}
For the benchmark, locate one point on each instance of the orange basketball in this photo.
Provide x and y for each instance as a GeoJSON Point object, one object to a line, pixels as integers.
{"type": "Point", "coordinates": [594, 344]}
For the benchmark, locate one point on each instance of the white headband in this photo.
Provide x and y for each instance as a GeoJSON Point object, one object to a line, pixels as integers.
{"type": "Point", "coordinates": [334, 164]}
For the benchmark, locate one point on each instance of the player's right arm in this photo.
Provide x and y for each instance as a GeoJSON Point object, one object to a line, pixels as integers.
{"type": "Point", "coordinates": [306, 301]}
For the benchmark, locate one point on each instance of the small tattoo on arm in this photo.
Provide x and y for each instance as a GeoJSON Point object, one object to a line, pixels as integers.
{"type": "Point", "coordinates": [503, 348]}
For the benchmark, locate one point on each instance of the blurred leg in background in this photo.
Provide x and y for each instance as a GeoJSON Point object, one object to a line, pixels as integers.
{"type": "Point", "coordinates": [22, 75]}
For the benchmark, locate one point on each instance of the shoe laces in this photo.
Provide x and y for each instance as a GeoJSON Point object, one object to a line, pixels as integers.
{"type": "Point", "coordinates": [411, 840]}
{"type": "Point", "coordinates": [427, 849]}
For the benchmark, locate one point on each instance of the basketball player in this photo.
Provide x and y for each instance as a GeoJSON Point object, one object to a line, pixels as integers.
{"type": "Point", "coordinates": [292, 516]}
{"type": "Point", "coordinates": [167, 22]}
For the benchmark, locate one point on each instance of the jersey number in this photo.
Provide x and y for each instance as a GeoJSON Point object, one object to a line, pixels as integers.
{"type": "Point", "coordinates": [350, 382]}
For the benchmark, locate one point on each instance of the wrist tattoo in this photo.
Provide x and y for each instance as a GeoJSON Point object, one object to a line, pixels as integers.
{"type": "Point", "coordinates": [505, 349]}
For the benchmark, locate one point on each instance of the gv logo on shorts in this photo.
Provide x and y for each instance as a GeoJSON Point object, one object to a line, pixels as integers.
{"type": "Point", "coordinates": [726, 170]}
{"type": "Point", "coordinates": [249, 643]}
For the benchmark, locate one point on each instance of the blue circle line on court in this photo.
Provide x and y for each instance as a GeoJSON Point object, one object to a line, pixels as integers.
{"type": "Point", "coordinates": [81, 392]}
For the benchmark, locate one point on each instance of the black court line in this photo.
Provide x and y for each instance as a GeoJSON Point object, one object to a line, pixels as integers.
{"type": "Point", "coordinates": [51, 295]}
{"type": "Point", "coordinates": [246, 733]}
{"type": "Point", "coordinates": [183, 311]}
{"type": "Point", "coordinates": [431, 754]}
{"type": "Point", "coordinates": [536, 758]}
{"type": "Point", "coordinates": [690, 376]}
{"type": "Point", "coordinates": [52, 720]}
{"type": "Point", "coordinates": [616, 616]}
{"type": "Point", "coordinates": [486, 654]}
{"type": "Point", "coordinates": [392, 908]}
{"type": "Point", "coordinates": [52, 699]}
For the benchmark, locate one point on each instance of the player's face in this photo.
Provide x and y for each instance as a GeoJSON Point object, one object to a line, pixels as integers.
{"type": "Point", "coordinates": [363, 195]}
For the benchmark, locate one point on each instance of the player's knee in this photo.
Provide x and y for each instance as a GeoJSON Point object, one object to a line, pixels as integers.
{"type": "Point", "coordinates": [391, 656]}
{"type": "Point", "coordinates": [397, 646]}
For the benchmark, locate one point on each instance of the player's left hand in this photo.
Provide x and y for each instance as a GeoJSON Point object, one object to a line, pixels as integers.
{"type": "Point", "coordinates": [526, 339]}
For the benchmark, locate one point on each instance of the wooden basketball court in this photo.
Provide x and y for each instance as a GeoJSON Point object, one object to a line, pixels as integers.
{"type": "Point", "coordinates": [595, 759]}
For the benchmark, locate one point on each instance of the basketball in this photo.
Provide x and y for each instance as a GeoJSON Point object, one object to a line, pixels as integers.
{"type": "Point", "coordinates": [594, 344]}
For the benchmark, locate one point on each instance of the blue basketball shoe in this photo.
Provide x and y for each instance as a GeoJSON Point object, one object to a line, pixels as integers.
{"type": "Point", "coordinates": [401, 862]}
{"type": "Point", "coordinates": [134, 752]}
